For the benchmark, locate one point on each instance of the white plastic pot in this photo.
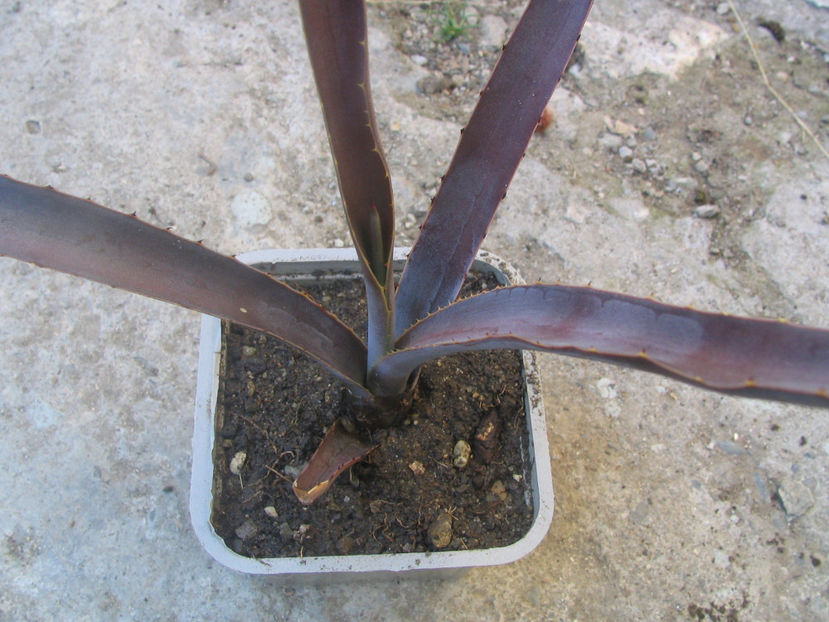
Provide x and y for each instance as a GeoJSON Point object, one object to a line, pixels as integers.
{"type": "Point", "coordinates": [293, 263]}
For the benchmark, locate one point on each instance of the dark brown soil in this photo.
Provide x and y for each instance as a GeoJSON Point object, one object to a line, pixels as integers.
{"type": "Point", "coordinates": [274, 404]}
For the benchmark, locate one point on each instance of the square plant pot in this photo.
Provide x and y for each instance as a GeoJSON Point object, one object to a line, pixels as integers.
{"type": "Point", "coordinates": [295, 264]}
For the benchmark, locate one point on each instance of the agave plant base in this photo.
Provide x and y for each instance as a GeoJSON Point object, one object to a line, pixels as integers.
{"type": "Point", "coordinates": [294, 264]}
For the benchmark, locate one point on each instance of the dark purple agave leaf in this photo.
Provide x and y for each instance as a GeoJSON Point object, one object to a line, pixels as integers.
{"type": "Point", "coordinates": [490, 148]}
{"type": "Point", "coordinates": [336, 36]}
{"type": "Point", "coordinates": [758, 358]}
{"type": "Point", "coordinates": [69, 234]}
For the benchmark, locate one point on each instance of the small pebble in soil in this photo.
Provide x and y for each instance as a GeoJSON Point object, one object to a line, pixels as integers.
{"type": "Point", "coordinates": [247, 530]}
{"type": "Point", "coordinates": [417, 468]}
{"type": "Point", "coordinates": [271, 511]}
{"type": "Point", "coordinates": [346, 544]}
{"type": "Point", "coordinates": [285, 531]}
{"type": "Point", "coordinates": [497, 493]}
{"type": "Point", "coordinates": [486, 437]}
{"type": "Point", "coordinates": [795, 497]}
{"type": "Point", "coordinates": [237, 462]}
{"type": "Point", "coordinates": [618, 127]}
{"type": "Point", "coordinates": [649, 134]}
{"type": "Point", "coordinates": [626, 153]}
{"type": "Point", "coordinates": [610, 141]}
{"type": "Point", "coordinates": [440, 531]}
{"type": "Point", "coordinates": [706, 211]}
{"type": "Point", "coordinates": [461, 454]}
{"type": "Point", "coordinates": [701, 166]}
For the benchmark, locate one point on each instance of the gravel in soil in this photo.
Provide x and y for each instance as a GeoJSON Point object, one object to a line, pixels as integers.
{"type": "Point", "coordinates": [274, 405]}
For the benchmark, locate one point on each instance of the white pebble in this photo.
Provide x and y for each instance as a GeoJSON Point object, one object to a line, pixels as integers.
{"type": "Point", "coordinates": [706, 211]}
{"type": "Point", "coordinates": [626, 153]}
{"type": "Point", "coordinates": [237, 462]}
{"type": "Point", "coordinates": [461, 454]}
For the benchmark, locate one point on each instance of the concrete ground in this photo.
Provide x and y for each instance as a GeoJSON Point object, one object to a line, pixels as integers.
{"type": "Point", "coordinates": [671, 170]}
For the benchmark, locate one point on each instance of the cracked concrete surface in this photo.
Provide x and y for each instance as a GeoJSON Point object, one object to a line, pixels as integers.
{"type": "Point", "coordinates": [201, 115]}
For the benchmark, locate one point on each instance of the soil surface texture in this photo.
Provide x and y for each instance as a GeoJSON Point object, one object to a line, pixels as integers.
{"type": "Point", "coordinates": [410, 494]}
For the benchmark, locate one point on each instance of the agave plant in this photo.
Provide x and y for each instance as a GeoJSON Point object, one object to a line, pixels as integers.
{"type": "Point", "coordinates": [417, 318]}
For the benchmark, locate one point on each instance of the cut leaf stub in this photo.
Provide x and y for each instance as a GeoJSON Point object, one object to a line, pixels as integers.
{"type": "Point", "coordinates": [338, 451]}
